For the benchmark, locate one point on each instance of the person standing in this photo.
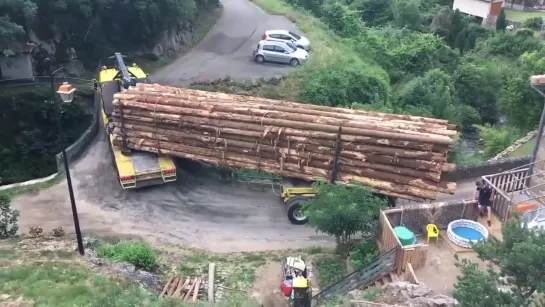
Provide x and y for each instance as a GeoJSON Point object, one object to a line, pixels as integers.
{"type": "Point", "coordinates": [484, 196]}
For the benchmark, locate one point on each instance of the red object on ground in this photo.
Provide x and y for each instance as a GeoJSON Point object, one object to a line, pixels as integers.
{"type": "Point", "coordinates": [286, 289]}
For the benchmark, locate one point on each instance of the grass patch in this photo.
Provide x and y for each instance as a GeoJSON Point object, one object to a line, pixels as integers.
{"type": "Point", "coordinates": [138, 253]}
{"type": "Point", "coordinates": [204, 22]}
{"type": "Point", "coordinates": [32, 188]}
{"type": "Point", "coordinates": [330, 269]}
{"type": "Point", "coordinates": [521, 16]}
{"type": "Point", "coordinates": [7, 254]}
{"type": "Point", "coordinates": [525, 150]}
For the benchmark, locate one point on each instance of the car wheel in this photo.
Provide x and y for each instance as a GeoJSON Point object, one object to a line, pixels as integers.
{"type": "Point", "coordinates": [259, 59]}
{"type": "Point", "coordinates": [294, 62]}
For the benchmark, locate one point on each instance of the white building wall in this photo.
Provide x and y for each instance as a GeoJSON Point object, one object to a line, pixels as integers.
{"type": "Point", "coordinates": [16, 67]}
{"type": "Point", "coordinates": [472, 7]}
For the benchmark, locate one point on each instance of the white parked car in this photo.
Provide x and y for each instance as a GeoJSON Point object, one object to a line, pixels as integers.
{"type": "Point", "coordinates": [287, 36]}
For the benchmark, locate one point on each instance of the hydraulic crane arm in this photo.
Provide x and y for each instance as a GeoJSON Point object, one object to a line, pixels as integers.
{"type": "Point", "coordinates": [126, 77]}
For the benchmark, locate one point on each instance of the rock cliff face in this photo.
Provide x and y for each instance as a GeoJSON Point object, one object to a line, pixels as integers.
{"type": "Point", "coordinates": [56, 50]}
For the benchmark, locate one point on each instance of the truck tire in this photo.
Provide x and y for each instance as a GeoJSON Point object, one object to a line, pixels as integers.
{"type": "Point", "coordinates": [293, 206]}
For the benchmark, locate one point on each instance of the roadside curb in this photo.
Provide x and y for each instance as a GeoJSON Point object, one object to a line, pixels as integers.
{"type": "Point", "coordinates": [29, 183]}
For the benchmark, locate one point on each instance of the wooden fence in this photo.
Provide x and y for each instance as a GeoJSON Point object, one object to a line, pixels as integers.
{"type": "Point", "coordinates": [415, 254]}
{"type": "Point", "coordinates": [504, 184]}
{"type": "Point", "coordinates": [410, 276]}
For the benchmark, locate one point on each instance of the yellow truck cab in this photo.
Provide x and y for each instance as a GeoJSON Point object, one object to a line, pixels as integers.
{"type": "Point", "coordinates": [134, 168]}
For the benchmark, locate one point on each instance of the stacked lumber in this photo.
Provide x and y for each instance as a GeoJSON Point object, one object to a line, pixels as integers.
{"type": "Point", "coordinates": [396, 155]}
{"type": "Point", "coordinates": [186, 289]}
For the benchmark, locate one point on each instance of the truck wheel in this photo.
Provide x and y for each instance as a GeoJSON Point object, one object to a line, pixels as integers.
{"type": "Point", "coordinates": [294, 208]}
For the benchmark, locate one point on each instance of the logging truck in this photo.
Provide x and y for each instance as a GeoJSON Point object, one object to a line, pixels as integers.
{"type": "Point", "coordinates": [135, 169]}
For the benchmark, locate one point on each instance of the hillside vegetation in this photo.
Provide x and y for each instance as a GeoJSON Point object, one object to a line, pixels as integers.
{"type": "Point", "coordinates": [417, 57]}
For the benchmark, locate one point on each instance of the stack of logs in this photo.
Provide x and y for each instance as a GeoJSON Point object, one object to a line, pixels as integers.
{"type": "Point", "coordinates": [396, 155]}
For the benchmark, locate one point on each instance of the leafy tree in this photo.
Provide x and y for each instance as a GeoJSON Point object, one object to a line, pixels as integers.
{"type": "Point", "coordinates": [342, 84]}
{"type": "Point", "coordinates": [441, 22]}
{"type": "Point", "coordinates": [460, 42]}
{"type": "Point", "coordinates": [477, 86]}
{"type": "Point", "coordinates": [501, 22]}
{"type": "Point", "coordinates": [374, 12]}
{"type": "Point", "coordinates": [510, 44]}
{"type": "Point", "coordinates": [456, 27]}
{"type": "Point", "coordinates": [341, 19]}
{"type": "Point", "coordinates": [519, 260]}
{"type": "Point", "coordinates": [471, 40]}
{"type": "Point", "coordinates": [8, 218]}
{"type": "Point", "coordinates": [407, 14]}
{"type": "Point", "coordinates": [534, 23]}
{"type": "Point", "coordinates": [432, 95]}
{"type": "Point", "coordinates": [14, 13]}
{"type": "Point", "coordinates": [343, 211]}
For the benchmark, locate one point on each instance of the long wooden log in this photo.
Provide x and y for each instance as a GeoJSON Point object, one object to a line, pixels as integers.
{"type": "Point", "coordinates": [283, 147]}
{"type": "Point", "coordinates": [272, 133]}
{"type": "Point", "coordinates": [242, 98]}
{"type": "Point", "coordinates": [301, 161]}
{"type": "Point", "coordinates": [430, 156]}
{"type": "Point", "coordinates": [372, 157]}
{"type": "Point", "coordinates": [364, 130]}
{"type": "Point", "coordinates": [169, 103]}
{"type": "Point", "coordinates": [253, 163]}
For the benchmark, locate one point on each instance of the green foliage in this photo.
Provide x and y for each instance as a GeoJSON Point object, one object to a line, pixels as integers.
{"type": "Point", "coordinates": [363, 253]}
{"type": "Point", "coordinates": [407, 14]}
{"type": "Point", "coordinates": [138, 253]}
{"type": "Point", "coordinates": [330, 269]}
{"type": "Point", "coordinates": [8, 218]}
{"type": "Point", "coordinates": [461, 154]}
{"type": "Point", "coordinates": [342, 211]}
{"type": "Point", "coordinates": [477, 86]}
{"type": "Point", "coordinates": [29, 137]}
{"type": "Point", "coordinates": [14, 13]}
{"type": "Point", "coordinates": [342, 84]}
{"type": "Point", "coordinates": [510, 44]}
{"type": "Point", "coordinates": [501, 21]}
{"type": "Point", "coordinates": [496, 140]}
{"type": "Point", "coordinates": [519, 260]}
{"type": "Point", "coordinates": [455, 28]}
{"type": "Point", "coordinates": [432, 95]}
{"type": "Point", "coordinates": [374, 12]}
{"type": "Point", "coordinates": [418, 53]}
{"type": "Point", "coordinates": [534, 23]}
{"type": "Point", "coordinates": [344, 21]}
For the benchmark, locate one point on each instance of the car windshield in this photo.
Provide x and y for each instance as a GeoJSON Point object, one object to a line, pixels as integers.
{"type": "Point", "coordinates": [291, 47]}
{"type": "Point", "coordinates": [294, 35]}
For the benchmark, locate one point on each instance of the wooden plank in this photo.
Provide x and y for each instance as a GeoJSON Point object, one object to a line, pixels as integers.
{"type": "Point", "coordinates": [166, 286]}
{"type": "Point", "coordinates": [186, 296]}
{"type": "Point", "coordinates": [173, 286]}
{"type": "Point", "coordinates": [196, 292]}
{"type": "Point", "coordinates": [393, 277]}
{"type": "Point", "coordinates": [181, 286]}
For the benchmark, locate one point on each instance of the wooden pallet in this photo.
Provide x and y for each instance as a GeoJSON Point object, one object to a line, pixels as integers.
{"type": "Point", "coordinates": [186, 289]}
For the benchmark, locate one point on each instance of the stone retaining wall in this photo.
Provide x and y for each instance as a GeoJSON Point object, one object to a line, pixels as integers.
{"type": "Point", "coordinates": [485, 168]}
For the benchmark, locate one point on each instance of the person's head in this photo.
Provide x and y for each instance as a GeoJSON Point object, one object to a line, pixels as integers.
{"type": "Point", "coordinates": [479, 183]}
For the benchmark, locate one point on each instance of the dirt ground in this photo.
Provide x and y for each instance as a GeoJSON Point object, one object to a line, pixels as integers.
{"type": "Point", "coordinates": [267, 285]}
{"type": "Point", "coordinates": [440, 271]}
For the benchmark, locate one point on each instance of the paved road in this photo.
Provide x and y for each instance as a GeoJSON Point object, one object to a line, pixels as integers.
{"type": "Point", "coordinates": [227, 49]}
{"type": "Point", "coordinates": [197, 211]}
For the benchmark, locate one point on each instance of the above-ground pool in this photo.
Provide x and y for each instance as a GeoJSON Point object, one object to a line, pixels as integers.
{"type": "Point", "coordinates": [466, 232]}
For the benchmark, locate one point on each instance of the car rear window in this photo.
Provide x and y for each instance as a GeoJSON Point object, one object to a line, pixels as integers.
{"type": "Point", "coordinates": [295, 35]}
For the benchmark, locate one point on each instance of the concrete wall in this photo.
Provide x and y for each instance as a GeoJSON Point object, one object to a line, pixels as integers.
{"type": "Point", "coordinates": [17, 67]}
{"type": "Point", "coordinates": [417, 216]}
{"type": "Point", "coordinates": [472, 7]}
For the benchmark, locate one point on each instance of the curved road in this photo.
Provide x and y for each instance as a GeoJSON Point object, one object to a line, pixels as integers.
{"type": "Point", "coordinates": [197, 211]}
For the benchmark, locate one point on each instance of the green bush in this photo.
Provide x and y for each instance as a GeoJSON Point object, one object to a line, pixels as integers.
{"type": "Point", "coordinates": [343, 84]}
{"type": "Point", "coordinates": [496, 140]}
{"type": "Point", "coordinates": [363, 253]}
{"type": "Point", "coordinates": [8, 218]}
{"type": "Point", "coordinates": [330, 269]}
{"type": "Point", "coordinates": [138, 253]}
{"type": "Point", "coordinates": [534, 23]}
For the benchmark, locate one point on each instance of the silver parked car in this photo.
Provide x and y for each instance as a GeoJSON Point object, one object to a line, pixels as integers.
{"type": "Point", "coordinates": [273, 51]}
{"type": "Point", "coordinates": [287, 36]}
